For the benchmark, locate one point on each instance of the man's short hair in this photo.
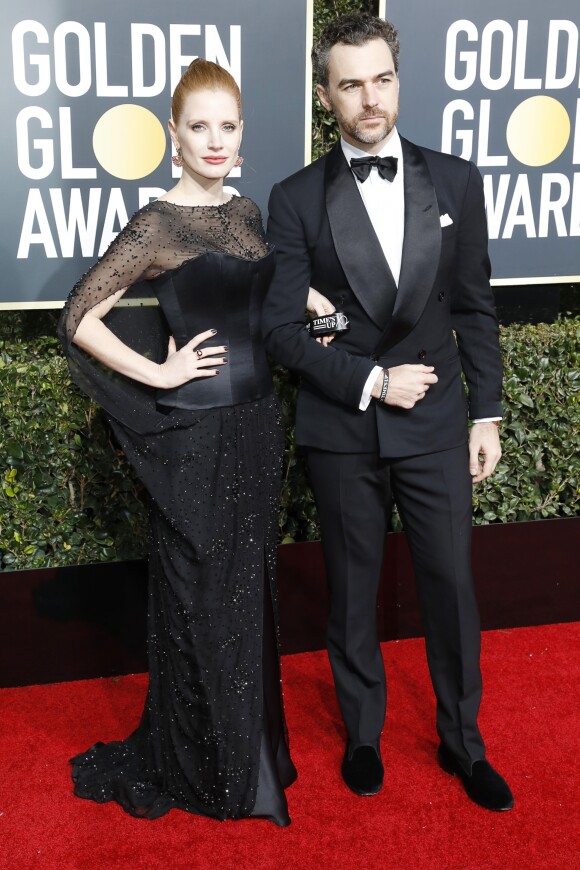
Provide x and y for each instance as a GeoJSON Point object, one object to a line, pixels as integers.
{"type": "Point", "coordinates": [352, 29]}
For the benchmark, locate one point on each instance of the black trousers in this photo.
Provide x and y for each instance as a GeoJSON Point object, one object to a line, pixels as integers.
{"type": "Point", "coordinates": [434, 497]}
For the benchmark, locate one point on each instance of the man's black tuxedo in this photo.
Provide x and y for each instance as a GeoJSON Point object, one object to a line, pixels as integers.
{"type": "Point", "coordinates": [324, 239]}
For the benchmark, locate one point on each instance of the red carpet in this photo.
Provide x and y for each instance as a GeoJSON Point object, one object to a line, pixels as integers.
{"type": "Point", "coordinates": [422, 818]}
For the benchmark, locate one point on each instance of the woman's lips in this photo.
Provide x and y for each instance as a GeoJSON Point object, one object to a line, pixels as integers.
{"type": "Point", "coordinates": [216, 160]}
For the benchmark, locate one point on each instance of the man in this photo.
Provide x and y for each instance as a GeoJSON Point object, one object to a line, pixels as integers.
{"type": "Point", "coordinates": [400, 246]}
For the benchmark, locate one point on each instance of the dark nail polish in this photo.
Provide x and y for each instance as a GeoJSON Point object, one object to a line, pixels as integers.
{"type": "Point", "coordinates": [213, 331]}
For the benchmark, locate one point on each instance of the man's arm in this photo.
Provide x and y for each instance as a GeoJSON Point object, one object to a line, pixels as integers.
{"type": "Point", "coordinates": [473, 315]}
{"type": "Point", "coordinates": [475, 323]}
{"type": "Point", "coordinates": [336, 373]}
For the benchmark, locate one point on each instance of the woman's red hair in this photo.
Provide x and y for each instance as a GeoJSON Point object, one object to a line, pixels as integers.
{"type": "Point", "coordinates": [202, 75]}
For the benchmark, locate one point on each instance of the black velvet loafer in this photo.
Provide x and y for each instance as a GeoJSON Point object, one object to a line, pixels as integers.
{"type": "Point", "coordinates": [362, 770]}
{"type": "Point", "coordinates": [485, 786]}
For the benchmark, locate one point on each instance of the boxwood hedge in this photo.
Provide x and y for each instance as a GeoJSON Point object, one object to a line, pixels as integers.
{"type": "Point", "coordinates": [68, 497]}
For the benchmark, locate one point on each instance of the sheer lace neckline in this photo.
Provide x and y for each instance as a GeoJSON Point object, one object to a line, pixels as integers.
{"type": "Point", "coordinates": [217, 205]}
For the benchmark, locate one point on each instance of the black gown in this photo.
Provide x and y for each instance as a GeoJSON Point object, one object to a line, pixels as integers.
{"type": "Point", "coordinates": [212, 739]}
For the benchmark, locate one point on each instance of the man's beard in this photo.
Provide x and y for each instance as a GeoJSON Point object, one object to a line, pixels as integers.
{"type": "Point", "coordinates": [354, 128]}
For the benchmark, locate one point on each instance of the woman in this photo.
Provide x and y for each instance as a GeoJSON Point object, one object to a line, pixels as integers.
{"type": "Point", "coordinates": [189, 395]}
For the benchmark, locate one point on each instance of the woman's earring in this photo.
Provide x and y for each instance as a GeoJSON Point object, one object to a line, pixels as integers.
{"type": "Point", "coordinates": [177, 159]}
{"type": "Point", "coordinates": [239, 160]}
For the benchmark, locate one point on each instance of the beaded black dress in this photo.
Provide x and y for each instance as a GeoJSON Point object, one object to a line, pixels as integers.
{"type": "Point", "coordinates": [212, 738]}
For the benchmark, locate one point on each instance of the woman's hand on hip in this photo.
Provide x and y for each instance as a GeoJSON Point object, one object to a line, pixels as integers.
{"type": "Point", "coordinates": [191, 361]}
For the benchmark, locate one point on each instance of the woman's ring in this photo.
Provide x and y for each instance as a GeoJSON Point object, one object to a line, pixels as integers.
{"type": "Point", "coordinates": [199, 353]}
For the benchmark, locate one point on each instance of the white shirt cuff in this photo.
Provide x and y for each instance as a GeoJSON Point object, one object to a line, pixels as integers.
{"type": "Point", "coordinates": [368, 388]}
{"type": "Point", "coordinates": [370, 382]}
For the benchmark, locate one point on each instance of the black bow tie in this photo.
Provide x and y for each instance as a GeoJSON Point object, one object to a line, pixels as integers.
{"type": "Point", "coordinates": [361, 166]}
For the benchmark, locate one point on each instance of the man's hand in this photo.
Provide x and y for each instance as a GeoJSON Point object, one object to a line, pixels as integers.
{"type": "Point", "coordinates": [320, 306]}
{"type": "Point", "coordinates": [407, 385]}
{"type": "Point", "coordinates": [484, 450]}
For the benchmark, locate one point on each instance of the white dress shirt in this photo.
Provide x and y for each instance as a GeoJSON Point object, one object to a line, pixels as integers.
{"type": "Point", "coordinates": [385, 204]}
{"type": "Point", "coordinates": [384, 201]}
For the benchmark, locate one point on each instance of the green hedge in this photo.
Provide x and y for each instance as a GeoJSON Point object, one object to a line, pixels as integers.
{"type": "Point", "coordinates": [68, 496]}
{"type": "Point", "coordinates": [539, 475]}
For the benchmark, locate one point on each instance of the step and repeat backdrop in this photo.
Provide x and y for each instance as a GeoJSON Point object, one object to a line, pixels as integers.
{"type": "Point", "coordinates": [86, 96]}
{"type": "Point", "coordinates": [499, 83]}
{"type": "Point", "coordinates": [86, 91]}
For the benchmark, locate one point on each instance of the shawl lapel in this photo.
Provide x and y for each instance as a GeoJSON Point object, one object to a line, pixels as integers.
{"type": "Point", "coordinates": [356, 242]}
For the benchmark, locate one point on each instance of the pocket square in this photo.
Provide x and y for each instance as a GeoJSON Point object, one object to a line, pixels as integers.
{"type": "Point", "coordinates": [446, 220]}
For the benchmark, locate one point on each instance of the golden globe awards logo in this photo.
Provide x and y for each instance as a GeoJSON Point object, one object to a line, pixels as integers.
{"type": "Point", "coordinates": [129, 142]}
{"type": "Point", "coordinates": [542, 123]}
{"type": "Point", "coordinates": [72, 144]}
{"type": "Point", "coordinates": [86, 90]}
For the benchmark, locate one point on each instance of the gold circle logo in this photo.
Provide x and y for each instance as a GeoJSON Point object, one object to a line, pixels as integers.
{"type": "Point", "coordinates": [129, 141]}
{"type": "Point", "coordinates": [538, 131]}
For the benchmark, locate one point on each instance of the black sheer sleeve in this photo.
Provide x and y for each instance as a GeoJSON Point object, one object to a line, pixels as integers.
{"type": "Point", "coordinates": [137, 321]}
{"type": "Point", "coordinates": [130, 257]}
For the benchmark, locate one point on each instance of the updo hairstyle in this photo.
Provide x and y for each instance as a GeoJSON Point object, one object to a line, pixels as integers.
{"type": "Point", "coordinates": [203, 75]}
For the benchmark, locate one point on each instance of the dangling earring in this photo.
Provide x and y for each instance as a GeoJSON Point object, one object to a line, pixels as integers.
{"type": "Point", "coordinates": [177, 159]}
{"type": "Point", "coordinates": [239, 160]}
